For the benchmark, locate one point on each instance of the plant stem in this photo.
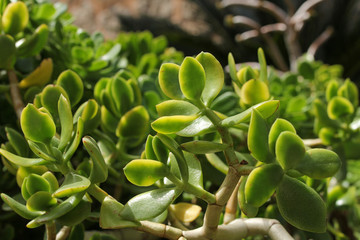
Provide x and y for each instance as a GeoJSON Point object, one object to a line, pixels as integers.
{"type": "Point", "coordinates": [160, 230]}
{"type": "Point", "coordinates": [232, 206]}
{"type": "Point", "coordinates": [50, 230]}
{"type": "Point", "coordinates": [15, 93]}
{"type": "Point", "coordinates": [63, 233]}
{"type": "Point", "coordinates": [95, 191]}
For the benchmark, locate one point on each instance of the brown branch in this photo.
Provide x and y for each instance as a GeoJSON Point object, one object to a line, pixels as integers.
{"type": "Point", "coordinates": [16, 98]}
{"type": "Point", "coordinates": [63, 233]}
{"type": "Point", "coordinates": [324, 36]}
{"type": "Point", "coordinates": [160, 230]}
{"type": "Point", "coordinates": [266, 6]}
{"type": "Point", "coordinates": [302, 13]}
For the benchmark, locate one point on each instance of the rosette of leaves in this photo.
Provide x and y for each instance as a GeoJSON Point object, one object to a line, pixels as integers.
{"type": "Point", "coordinates": [251, 85]}
{"type": "Point", "coordinates": [283, 158]}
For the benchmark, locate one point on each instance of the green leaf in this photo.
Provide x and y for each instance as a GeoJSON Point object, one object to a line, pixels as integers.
{"type": "Point", "coordinates": [35, 183]}
{"type": "Point", "coordinates": [217, 163]}
{"type": "Point", "coordinates": [331, 89]}
{"type": "Point", "coordinates": [19, 208]}
{"type": "Point", "coordinates": [303, 208]}
{"type": "Point", "coordinates": [172, 124]}
{"type": "Point", "coordinates": [192, 78]}
{"type": "Point", "coordinates": [110, 215]}
{"type": "Point", "coordinates": [40, 201]}
{"type": "Point", "coordinates": [214, 76]}
{"type": "Point", "coordinates": [289, 149]}
{"type": "Point", "coordinates": [280, 125]}
{"type": "Point", "coordinates": [40, 150]}
{"type": "Point", "coordinates": [266, 109]}
{"type": "Point", "coordinates": [108, 121]}
{"type": "Point", "coordinates": [59, 210]}
{"type": "Point", "coordinates": [322, 118]}
{"type": "Point", "coordinates": [22, 161]}
{"type": "Point", "coordinates": [258, 138]}
{"type": "Point", "coordinates": [122, 94]}
{"type": "Point", "coordinates": [185, 212]}
{"type": "Point", "coordinates": [203, 147]}
{"type": "Point", "coordinates": [72, 184]}
{"type": "Point", "coordinates": [37, 125]}
{"type": "Point", "coordinates": [169, 80]}
{"type": "Point", "coordinates": [76, 215]}
{"type": "Point", "coordinates": [319, 163]}
{"type": "Point", "coordinates": [263, 66]}
{"type": "Point", "coordinates": [254, 91]}
{"type": "Point", "coordinates": [112, 53]}
{"type": "Point", "coordinates": [99, 172]}
{"type": "Point", "coordinates": [339, 107]}
{"type": "Point", "coordinates": [15, 18]}
{"type": "Point", "coordinates": [261, 183]}
{"type": "Point", "coordinates": [248, 209]}
{"type": "Point", "coordinates": [149, 204]}
{"type": "Point", "coordinates": [145, 172]}
{"type": "Point", "coordinates": [349, 91]}
{"type": "Point", "coordinates": [82, 54]}
{"type": "Point", "coordinates": [50, 97]}
{"type": "Point", "coordinates": [76, 141]}
{"type": "Point", "coordinates": [66, 121]}
{"type": "Point", "coordinates": [7, 52]}
{"type": "Point", "coordinates": [232, 69]}
{"type": "Point", "coordinates": [35, 43]}
{"type": "Point", "coordinates": [51, 179]}
{"type": "Point", "coordinates": [43, 12]}
{"type": "Point", "coordinates": [134, 123]}
{"type": "Point", "coordinates": [38, 77]}
{"type": "Point", "coordinates": [160, 151]}
{"type": "Point", "coordinates": [17, 141]}
{"type": "Point", "coordinates": [149, 149]}
{"type": "Point", "coordinates": [195, 171]}
{"type": "Point", "coordinates": [71, 82]}
{"type": "Point", "coordinates": [90, 114]}
{"type": "Point", "coordinates": [199, 126]}
{"type": "Point", "coordinates": [176, 107]}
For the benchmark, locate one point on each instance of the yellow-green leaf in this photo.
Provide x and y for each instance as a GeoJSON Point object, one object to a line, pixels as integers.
{"type": "Point", "coordinates": [172, 124]}
{"type": "Point", "coordinates": [145, 172]}
{"type": "Point", "coordinates": [192, 78]}
{"type": "Point", "coordinates": [40, 76]}
{"type": "Point", "coordinates": [185, 212]}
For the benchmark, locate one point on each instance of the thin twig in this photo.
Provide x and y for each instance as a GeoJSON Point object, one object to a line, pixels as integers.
{"type": "Point", "coordinates": [313, 142]}
{"type": "Point", "coordinates": [16, 98]}
{"type": "Point", "coordinates": [50, 230]}
{"type": "Point", "coordinates": [324, 36]}
{"type": "Point", "coordinates": [301, 14]}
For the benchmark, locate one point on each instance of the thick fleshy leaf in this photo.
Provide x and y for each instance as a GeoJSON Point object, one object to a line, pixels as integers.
{"type": "Point", "coordinates": [149, 204]}
{"type": "Point", "coordinates": [100, 86]}
{"type": "Point", "coordinates": [258, 138]}
{"type": "Point", "coordinates": [160, 151]}
{"type": "Point", "coordinates": [254, 91]}
{"type": "Point", "coordinates": [176, 107]}
{"type": "Point", "coordinates": [108, 121]}
{"type": "Point", "coordinates": [217, 163]}
{"type": "Point", "coordinates": [59, 210]}
{"type": "Point", "coordinates": [149, 150]}
{"type": "Point", "coordinates": [15, 18]}
{"type": "Point", "coordinates": [172, 124]}
{"type": "Point", "coordinates": [50, 97]}
{"type": "Point", "coordinates": [246, 73]}
{"type": "Point", "coordinates": [40, 150]}
{"type": "Point", "coordinates": [261, 183]}
{"type": "Point", "coordinates": [40, 76]}
{"type": "Point", "coordinates": [289, 149]}
{"type": "Point", "coordinates": [169, 80]}
{"type": "Point", "coordinates": [349, 91]}
{"type": "Point", "coordinates": [145, 172]}
{"type": "Point", "coordinates": [122, 94]}
{"type": "Point", "coordinates": [322, 118]}
{"type": "Point", "coordinates": [214, 76]}
{"type": "Point", "coordinates": [71, 82]}
{"type": "Point", "coordinates": [303, 208]}
{"type": "Point", "coordinates": [194, 169]}
{"type": "Point", "coordinates": [332, 89]}
{"type": "Point", "coordinates": [22, 161]}
{"type": "Point", "coordinates": [199, 126]}
{"type": "Point", "coordinates": [35, 43]}
{"type": "Point", "coordinates": [280, 125]}
{"type": "Point", "coordinates": [203, 147]}
{"type": "Point", "coordinates": [17, 141]}
{"type": "Point", "coordinates": [110, 215]}
{"type": "Point", "coordinates": [266, 109]}
{"type": "Point", "coordinates": [76, 141]}
{"type": "Point", "coordinates": [99, 172]}
{"type": "Point", "coordinates": [319, 163]}
{"type": "Point", "coordinates": [339, 107]}
{"type": "Point", "coordinates": [35, 183]}
{"type": "Point", "coordinates": [51, 179]}
{"type": "Point", "coordinates": [248, 209]}
{"type": "Point", "coordinates": [40, 201]}
{"type": "Point", "coordinates": [23, 172]}
{"type": "Point", "coordinates": [134, 123]}
{"type": "Point", "coordinates": [19, 208]}
{"type": "Point", "coordinates": [72, 184]}
{"type": "Point", "coordinates": [232, 69]}
{"type": "Point", "coordinates": [66, 121]}
{"type": "Point", "coordinates": [7, 52]}
{"type": "Point", "coordinates": [76, 215]}
{"type": "Point", "coordinates": [192, 78]}
{"type": "Point", "coordinates": [37, 125]}
{"type": "Point", "coordinates": [263, 65]}
{"type": "Point", "coordinates": [185, 212]}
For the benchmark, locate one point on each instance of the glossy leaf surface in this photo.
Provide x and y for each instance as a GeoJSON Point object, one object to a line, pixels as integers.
{"type": "Point", "coordinates": [169, 80]}
{"type": "Point", "coordinates": [176, 107]}
{"type": "Point", "coordinates": [185, 212]}
{"type": "Point", "coordinates": [280, 125]}
{"type": "Point", "coordinates": [40, 76]}
{"type": "Point", "coordinates": [72, 184]}
{"type": "Point", "coordinates": [71, 82]}
{"type": "Point", "coordinates": [15, 18]}
{"type": "Point", "coordinates": [289, 149]}
{"type": "Point", "coordinates": [172, 124]}
{"type": "Point", "coordinates": [145, 172]}
{"type": "Point", "coordinates": [203, 147]}
{"type": "Point", "coordinates": [192, 78]}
